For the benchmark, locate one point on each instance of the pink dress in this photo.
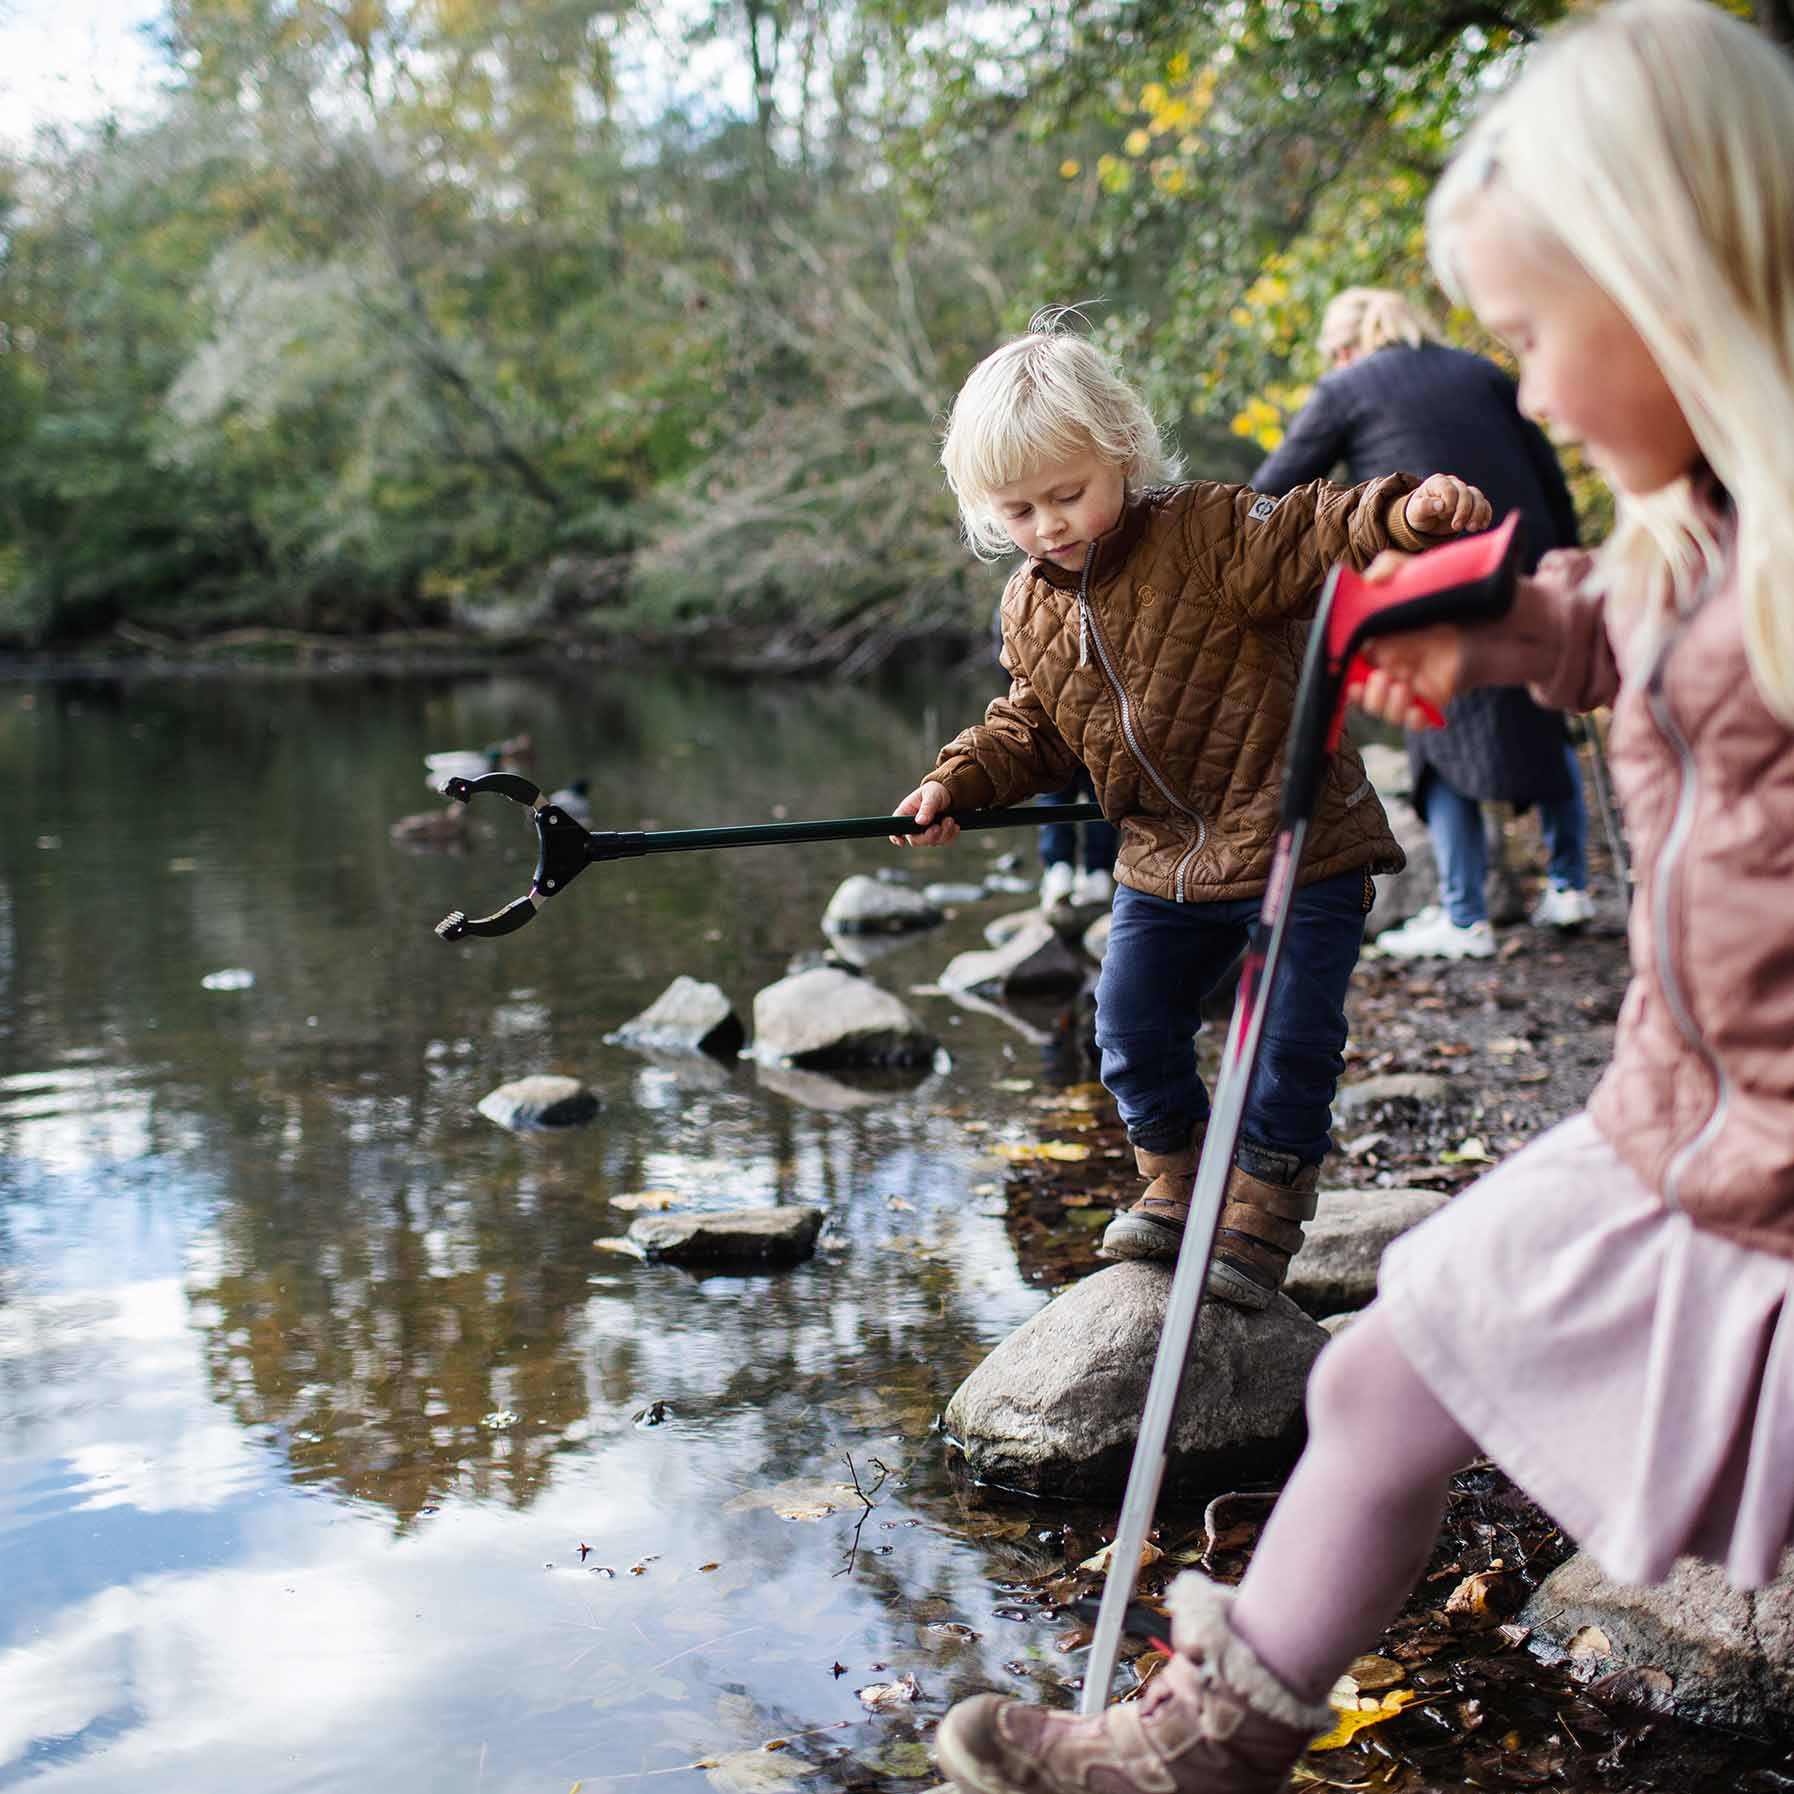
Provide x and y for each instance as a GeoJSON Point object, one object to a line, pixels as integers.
{"type": "Point", "coordinates": [1610, 1314]}
{"type": "Point", "coordinates": [1632, 1372]}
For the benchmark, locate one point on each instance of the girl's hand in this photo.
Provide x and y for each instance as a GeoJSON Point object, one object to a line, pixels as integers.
{"type": "Point", "coordinates": [1444, 505]}
{"type": "Point", "coordinates": [925, 803]}
{"type": "Point", "coordinates": [1410, 664]}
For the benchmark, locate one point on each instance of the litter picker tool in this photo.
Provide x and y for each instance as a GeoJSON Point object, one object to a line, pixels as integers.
{"type": "Point", "coordinates": [1464, 581]}
{"type": "Point", "coordinates": [565, 848]}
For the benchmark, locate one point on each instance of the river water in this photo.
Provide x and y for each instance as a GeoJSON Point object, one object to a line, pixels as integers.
{"type": "Point", "coordinates": [329, 1449]}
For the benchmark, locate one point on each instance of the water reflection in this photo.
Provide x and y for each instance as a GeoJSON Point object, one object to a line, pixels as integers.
{"type": "Point", "coordinates": [312, 1382]}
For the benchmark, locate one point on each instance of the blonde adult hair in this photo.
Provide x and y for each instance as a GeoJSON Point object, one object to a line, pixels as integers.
{"type": "Point", "coordinates": [1653, 144]}
{"type": "Point", "coordinates": [1048, 396]}
{"type": "Point", "coordinates": [1370, 318]}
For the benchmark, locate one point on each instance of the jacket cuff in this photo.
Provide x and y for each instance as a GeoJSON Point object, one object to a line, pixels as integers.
{"type": "Point", "coordinates": [969, 786]}
{"type": "Point", "coordinates": [1402, 534]}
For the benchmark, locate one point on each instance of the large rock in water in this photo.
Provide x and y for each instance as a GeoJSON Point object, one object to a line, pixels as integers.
{"type": "Point", "coordinates": [1729, 1655]}
{"type": "Point", "coordinates": [1337, 1266]}
{"type": "Point", "coordinates": [726, 1237]}
{"type": "Point", "coordinates": [544, 1101]}
{"type": "Point", "coordinates": [1055, 1409]}
{"type": "Point", "coordinates": [826, 1017]}
{"type": "Point", "coordinates": [863, 905]}
{"type": "Point", "coordinates": [689, 1016]}
{"type": "Point", "coordinates": [1033, 959]}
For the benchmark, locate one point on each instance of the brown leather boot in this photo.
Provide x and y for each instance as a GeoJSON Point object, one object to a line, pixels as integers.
{"type": "Point", "coordinates": [1154, 1226]}
{"type": "Point", "coordinates": [1214, 1720]}
{"type": "Point", "coordinates": [1261, 1225]}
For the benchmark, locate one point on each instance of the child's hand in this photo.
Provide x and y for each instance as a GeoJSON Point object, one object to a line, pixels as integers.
{"type": "Point", "coordinates": [1444, 505]}
{"type": "Point", "coordinates": [1409, 664]}
{"type": "Point", "coordinates": [925, 803]}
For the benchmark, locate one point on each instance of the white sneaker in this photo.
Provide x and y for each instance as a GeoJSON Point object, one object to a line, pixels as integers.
{"type": "Point", "coordinates": [1093, 890]}
{"type": "Point", "coordinates": [1434, 935]}
{"type": "Point", "coordinates": [1562, 906]}
{"type": "Point", "coordinates": [1057, 883]}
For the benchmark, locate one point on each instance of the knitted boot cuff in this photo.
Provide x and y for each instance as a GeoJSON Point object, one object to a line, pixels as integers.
{"type": "Point", "coordinates": [1201, 1627]}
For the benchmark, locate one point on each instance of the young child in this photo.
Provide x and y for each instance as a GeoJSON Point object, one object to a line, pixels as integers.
{"type": "Point", "coordinates": [1154, 635]}
{"type": "Point", "coordinates": [1609, 1315]}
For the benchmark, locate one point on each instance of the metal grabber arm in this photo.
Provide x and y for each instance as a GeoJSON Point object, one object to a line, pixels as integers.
{"type": "Point", "coordinates": [565, 849]}
{"type": "Point", "coordinates": [1464, 581]}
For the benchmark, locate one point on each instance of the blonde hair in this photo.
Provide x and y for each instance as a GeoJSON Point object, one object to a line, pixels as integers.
{"type": "Point", "coordinates": [1370, 318]}
{"type": "Point", "coordinates": [1050, 395]}
{"type": "Point", "coordinates": [1653, 144]}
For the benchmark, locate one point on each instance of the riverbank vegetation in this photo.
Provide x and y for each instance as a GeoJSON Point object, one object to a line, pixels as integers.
{"type": "Point", "coordinates": [593, 318]}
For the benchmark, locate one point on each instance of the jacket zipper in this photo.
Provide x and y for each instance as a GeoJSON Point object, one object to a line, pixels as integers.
{"type": "Point", "coordinates": [1088, 633]}
{"type": "Point", "coordinates": [1681, 826]}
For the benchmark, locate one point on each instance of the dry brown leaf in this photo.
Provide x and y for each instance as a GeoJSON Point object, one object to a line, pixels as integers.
{"type": "Point", "coordinates": [1149, 1554]}
{"type": "Point", "coordinates": [882, 1697]}
{"type": "Point", "coordinates": [651, 1200]}
{"type": "Point", "coordinates": [1471, 1596]}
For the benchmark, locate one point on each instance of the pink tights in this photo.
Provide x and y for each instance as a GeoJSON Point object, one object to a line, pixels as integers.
{"type": "Point", "coordinates": [1357, 1520]}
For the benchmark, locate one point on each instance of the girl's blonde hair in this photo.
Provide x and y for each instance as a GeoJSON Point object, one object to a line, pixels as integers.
{"type": "Point", "coordinates": [1370, 318]}
{"type": "Point", "coordinates": [1653, 143]}
{"type": "Point", "coordinates": [1051, 395]}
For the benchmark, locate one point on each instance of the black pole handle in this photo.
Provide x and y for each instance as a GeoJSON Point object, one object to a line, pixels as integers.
{"type": "Point", "coordinates": [564, 849]}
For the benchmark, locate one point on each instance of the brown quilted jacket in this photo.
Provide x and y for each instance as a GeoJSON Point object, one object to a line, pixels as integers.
{"type": "Point", "coordinates": [1169, 668]}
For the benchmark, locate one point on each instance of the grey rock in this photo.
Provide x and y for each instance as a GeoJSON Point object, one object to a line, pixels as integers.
{"type": "Point", "coordinates": [864, 905]}
{"type": "Point", "coordinates": [689, 1016]}
{"type": "Point", "coordinates": [730, 1236]}
{"type": "Point", "coordinates": [945, 896]}
{"type": "Point", "coordinates": [1337, 1266]}
{"type": "Point", "coordinates": [1054, 1410]}
{"type": "Point", "coordinates": [854, 952]}
{"type": "Point", "coordinates": [1033, 959]}
{"type": "Point", "coordinates": [1000, 930]}
{"type": "Point", "coordinates": [1424, 1089]}
{"type": "Point", "coordinates": [1335, 1324]}
{"type": "Point", "coordinates": [825, 1018]}
{"type": "Point", "coordinates": [1406, 893]}
{"type": "Point", "coordinates": [1007, 884]}
{"type": "Point", "coordinates": [539, 1102]}
{"type": "Point", "coordinates": [1729, 1654]}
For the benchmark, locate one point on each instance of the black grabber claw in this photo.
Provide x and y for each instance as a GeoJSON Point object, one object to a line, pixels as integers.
{"type": "Point", "coordinates": [561, 855]}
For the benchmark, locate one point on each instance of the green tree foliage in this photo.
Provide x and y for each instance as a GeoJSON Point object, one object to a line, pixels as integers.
{"type": "Point", "coordinates": [413, 311]}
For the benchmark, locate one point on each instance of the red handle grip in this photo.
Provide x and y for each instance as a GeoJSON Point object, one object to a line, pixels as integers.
{"type": "Point", "coordinates": [1459, 581]}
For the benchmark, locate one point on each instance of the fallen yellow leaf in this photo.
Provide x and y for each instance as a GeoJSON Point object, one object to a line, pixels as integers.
{"type": "Point", "coordinates": [1068, 1151]}
{"type": "Point", "coordinates": [1353, 1720]}
{"type": "Point", "coordinates": [1149, 1554]}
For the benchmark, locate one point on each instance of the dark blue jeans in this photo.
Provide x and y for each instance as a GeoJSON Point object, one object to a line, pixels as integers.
{"type": "Point", "coordinates": [1163, 958]}
{"type": "Point", "coordinates": [1059, 840]}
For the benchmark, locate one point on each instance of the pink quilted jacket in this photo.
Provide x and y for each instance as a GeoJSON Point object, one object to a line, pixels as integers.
{"type": "Point", "coordinates": [1699, 1099]}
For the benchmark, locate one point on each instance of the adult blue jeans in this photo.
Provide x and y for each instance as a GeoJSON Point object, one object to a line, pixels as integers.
{"type": "Point", "coordinates": [1059, 840]}
{"type": "Point", "coordinates": [1163, 958]}
{"type": "Point", "coordinates": [1460, 849]}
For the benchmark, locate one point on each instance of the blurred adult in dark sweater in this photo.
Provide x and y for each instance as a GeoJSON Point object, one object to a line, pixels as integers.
{"type": "Point", "coordinates": [1397, 400]}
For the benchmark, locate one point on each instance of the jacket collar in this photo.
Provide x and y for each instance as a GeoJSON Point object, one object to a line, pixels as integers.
{"type": "Point", "coordinates": [1106, 556]}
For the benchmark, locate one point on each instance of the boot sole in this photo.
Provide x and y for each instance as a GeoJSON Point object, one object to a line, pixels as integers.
{"type": "Point", "coordinates": [1135, 1245]}
{"type": "Point", "coordinates": [1136, 1236]}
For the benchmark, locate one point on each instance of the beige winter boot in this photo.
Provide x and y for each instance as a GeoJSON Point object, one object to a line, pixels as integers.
{"type": "Point", "coordinates": [1261, 1225]}
{"type": "Point", "coordinates": [1214, 1720]}
{"type": "Point", "coordinates": [1154, 1226]}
